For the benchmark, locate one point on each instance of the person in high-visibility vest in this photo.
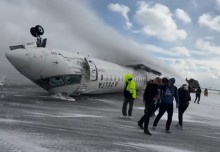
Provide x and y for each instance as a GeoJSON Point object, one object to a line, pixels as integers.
{"type": "Point", "coordinates": [130, 96]}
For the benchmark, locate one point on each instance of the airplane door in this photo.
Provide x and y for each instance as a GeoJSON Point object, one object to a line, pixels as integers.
{"type": "Point", "coordinates": [92, 70]}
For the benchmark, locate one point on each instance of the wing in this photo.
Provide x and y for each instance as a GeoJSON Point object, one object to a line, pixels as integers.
{"type": "Point", "coordinates": [146, 68]}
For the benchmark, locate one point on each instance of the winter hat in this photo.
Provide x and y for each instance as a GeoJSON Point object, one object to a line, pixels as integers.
{"type": "Point", "coordinates": [172, 81]}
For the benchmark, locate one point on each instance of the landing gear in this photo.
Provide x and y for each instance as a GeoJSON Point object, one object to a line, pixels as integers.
{"type": "Point", "coordinates": [37, 31]}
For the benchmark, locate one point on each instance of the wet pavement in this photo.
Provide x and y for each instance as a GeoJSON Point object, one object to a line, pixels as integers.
{"type": "Point", "coordinates": [32, 121]}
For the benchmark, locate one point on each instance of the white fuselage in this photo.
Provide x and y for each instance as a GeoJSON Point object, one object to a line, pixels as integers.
{"type": "Point", "coordinates": [65, 72]}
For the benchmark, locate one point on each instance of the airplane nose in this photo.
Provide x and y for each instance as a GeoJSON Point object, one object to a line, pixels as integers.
{"type": "Point", "coordinates": [18, 58]}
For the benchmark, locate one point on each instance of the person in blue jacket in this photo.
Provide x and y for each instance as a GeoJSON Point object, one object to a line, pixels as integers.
{"type": "Point", "coordinates": [168, 93]}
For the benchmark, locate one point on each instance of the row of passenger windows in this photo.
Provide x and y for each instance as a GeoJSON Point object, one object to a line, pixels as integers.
{"type": "Point", "coordinates": [118, 78]}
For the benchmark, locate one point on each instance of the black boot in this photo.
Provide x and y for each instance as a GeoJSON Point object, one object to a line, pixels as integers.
{"type": "Point", "coordinates": [140, 125]}
{"type": "Point", "coordinates": [147, 132]}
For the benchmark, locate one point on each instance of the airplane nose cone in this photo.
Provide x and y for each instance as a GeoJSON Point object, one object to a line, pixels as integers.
{"type": "Point", "coordinates": [17, 58]}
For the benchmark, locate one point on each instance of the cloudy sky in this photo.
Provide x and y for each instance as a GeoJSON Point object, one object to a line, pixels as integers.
{"type": "Point", "coordinates": [179, 38]}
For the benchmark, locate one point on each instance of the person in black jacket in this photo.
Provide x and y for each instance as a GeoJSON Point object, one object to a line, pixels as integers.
{"type": "Point", "coordinates": [184, 98]}
{"type": "Point", "coordinates": [150, 93]}
{"type": "Point", "coordinates": [198, 94]}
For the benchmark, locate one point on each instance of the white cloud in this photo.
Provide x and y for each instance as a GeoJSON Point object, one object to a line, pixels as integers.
{"type": "Point", "coordinates": [209, 37]}
{"type": "Point", "coordinates": [218, 4]}
{"type": "Point", "coordinates": [123, 10]}
{"type": "Point", "coordinates": [201, 70]}
{"type": "Point", "coordinates": [207, 46]}
{"type": "Point", "coordinates": [182, 15]}
{"type": "Point", "coordinates": [157, 21]}
{"type": "Point", "coordinates": [210, 21]}
{"type": "Point", "coordinates": [182, 51]}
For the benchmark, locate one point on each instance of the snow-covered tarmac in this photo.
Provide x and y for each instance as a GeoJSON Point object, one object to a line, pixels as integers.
{"type": "Point", "coordinates": [32, 122]}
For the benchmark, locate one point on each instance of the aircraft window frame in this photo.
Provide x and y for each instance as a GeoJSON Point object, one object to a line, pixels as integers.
{"type": "Point", "coordinates": [73, 76]}
{"type": "Point", "coordinates": [111, 78]}
{"type": "Point", "coordinates": [60, 80]}
{"type": "Point", "coordinates": [107, 78]}
{"type": "Point", "coordinates": [50, 81]}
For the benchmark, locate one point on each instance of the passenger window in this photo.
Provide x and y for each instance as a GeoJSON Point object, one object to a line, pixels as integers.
{"type": "Point", "coordinates": [111, 78]}
{"type": "Point", "coordinates": [107, 78]}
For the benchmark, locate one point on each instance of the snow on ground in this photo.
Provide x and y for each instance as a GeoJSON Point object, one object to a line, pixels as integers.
{"type": "Point", "coordinates": [153, 147]}
{"type": "Point", "coordinates": [31, 123]}
{"type": "Point", "coordinates": [208, 111]}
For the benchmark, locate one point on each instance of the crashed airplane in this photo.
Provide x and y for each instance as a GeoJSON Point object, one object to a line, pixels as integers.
{"type": "Point", "coordinates": [72, 74]}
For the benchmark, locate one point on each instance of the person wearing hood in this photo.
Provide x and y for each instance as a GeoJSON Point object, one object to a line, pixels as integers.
{"type": "Point", "coordinates": [184, 98]}
{"type": "Point", "coordinates": [129, 96]}
{"type": "Point", "coordinates": [168, 93]}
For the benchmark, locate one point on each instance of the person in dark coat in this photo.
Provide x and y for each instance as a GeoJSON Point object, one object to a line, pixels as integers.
{"type": "Point", "coordinates": [184, 98]}
{"type": "Point", "coordinates": [206, 92]}
{"type": "Point", "coordinates": [150, 94]}
{"type": "Point", "coordinates": [198, 94]}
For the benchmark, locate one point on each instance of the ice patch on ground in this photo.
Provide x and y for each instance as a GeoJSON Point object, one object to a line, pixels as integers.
{"type": "Point", "coordinates": [7, 120]}
{"type": "Point", "coordinates": [107, 101]}
{"type": "Point", "coordinates": [64, 115]}
{"type": "Point", "coordinates": [17, 142]}
{"type": "Point", "coordinates": [79, 115]}
{"type": "Point", "coordinates": [158, 148]}
{"type": "Point", "coordinates": [206, 112]}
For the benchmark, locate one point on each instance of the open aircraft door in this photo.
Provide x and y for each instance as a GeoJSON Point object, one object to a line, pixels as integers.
{"type": "Point", "coordinates": [92, 70]}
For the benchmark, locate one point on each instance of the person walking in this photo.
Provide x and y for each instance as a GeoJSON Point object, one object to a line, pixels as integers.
{"type": "Point", "coordinates": [206, 92]}
{"type": "Point", "coordinates": [150, 95]}
{"type": "Point", "coordinates": [129, 96]}
{"type": "Point", "coordinates": [198, 95]}
{"type": "Point", "coordinates": [184, 98]}
{"type": "Point", "coordinates": [157, 101]}
{"type": "Point", "coordinates": [169, 92]}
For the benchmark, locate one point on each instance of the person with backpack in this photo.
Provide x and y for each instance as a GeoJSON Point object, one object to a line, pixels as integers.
{"type": "Point", "coordinates": [129, 96]}
{"type": "Point", "coordinates": [150, 95]}
{"type": "Point", "coordinates": [184, 98]}
{"type": "Point", "coordinates": [168, 93]}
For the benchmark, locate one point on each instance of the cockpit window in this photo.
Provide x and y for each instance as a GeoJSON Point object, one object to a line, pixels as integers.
{"type": "Point", "coordinates": [72, 79]}
{"type": "Point", "coordinates": [57, 81]}
{"type": "Point", "coordinates": [54, 81]}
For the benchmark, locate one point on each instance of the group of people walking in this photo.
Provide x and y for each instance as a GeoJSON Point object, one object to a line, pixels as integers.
{"type": "Point", "coordinates": [159, 93]}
